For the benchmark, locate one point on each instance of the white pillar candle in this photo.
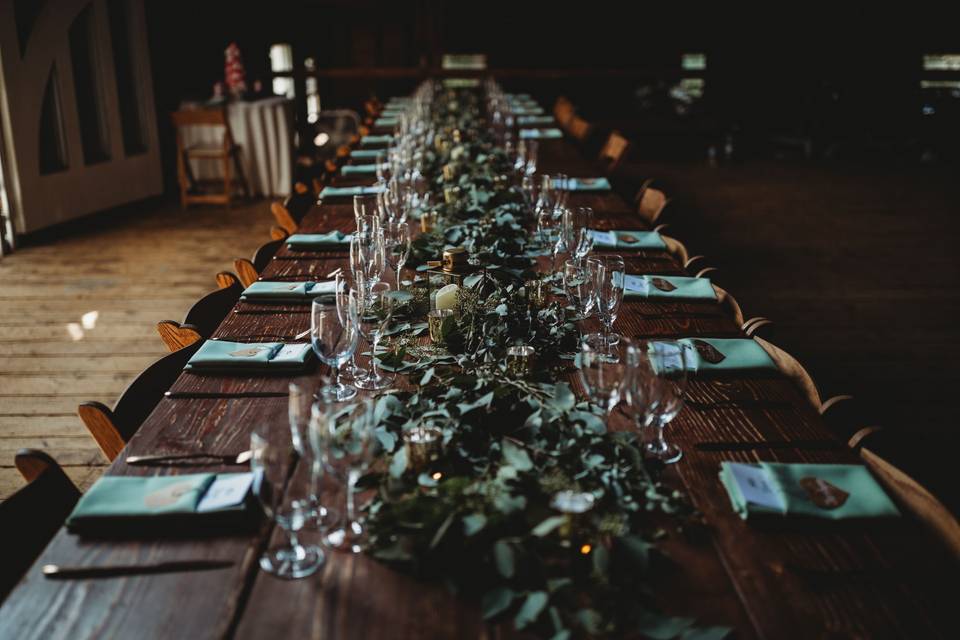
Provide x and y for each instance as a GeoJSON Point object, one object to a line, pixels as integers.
{"type": "Point", "coordinates": [447, 297]}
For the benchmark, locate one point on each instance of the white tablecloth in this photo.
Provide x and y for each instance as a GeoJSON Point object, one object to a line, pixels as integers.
{"type": "Point", "coordinates": [264, 131]}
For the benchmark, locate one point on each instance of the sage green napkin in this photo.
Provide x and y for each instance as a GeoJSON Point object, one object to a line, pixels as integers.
{"type": "Point", "coordinates": [668, 288]}
{"type": "Point", "coordinates": [727, 354]}
{"type": "Point", "coordinates": [348, 192]}
{"type": "Point", "coordinates": [540, 134]}
{"type": "Point", "coordinates": [318, 240]}
{"type": "Point", "coordinates": [359, 169]}
{"type": "Point", "coordinates": [627, 239]}
{"type": "Point", "coordinates": [366, 153]}
{"type": "Point", "coordinates": [287, 291]}
{"type": "Point", "coordinates": [386, 122]}
{"type": "Point", "coordinates": [221, 355]}
{"type": "Point", "coordinates": [831, 491]}
{"type": "Point", "coordinates": [588, 184]}
{"type": "Point", "coordinates": [372, 140]}
{"type": "Point", "coordinates": [534, 120]}
{"type": "Point", "coordinates": [527, 111]}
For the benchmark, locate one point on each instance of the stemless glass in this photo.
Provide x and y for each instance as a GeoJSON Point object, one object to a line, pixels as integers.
{"type": "Point", "coordinates": [342, 436]}
{"type": "Point", "coordinates": [606, 371]}
{"type": "Point", "coordinates": [662, 381]}
{"type": "Point", "coordinates": [285, 490]}
{"type": "Point", "coordinates": [365, 213]}
{"type": "Point", "coordinates": [608, 277]}
{"type": "Point", "coordinates": [578, 284]}
{"type": "Point", "coordinates": [334, 341]}
{"type": "Point", "coordinates": [396, 237]}
{"type": "Point", "coordinates": [374, 312]}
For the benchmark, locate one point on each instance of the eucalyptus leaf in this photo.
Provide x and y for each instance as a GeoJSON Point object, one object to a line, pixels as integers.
{"type": "Point", "coordinates": [530, 609]}
{"type": "Point", "coordinates": [473, 523]}
{"type": "Point", "coordinates": [504, 558]}
{"type": "Point", "coordinates": [706, 633]}
{"type": "Point", "coordinates": [662, 627]}
{"type": "Point", "coordinates": [548, 525]}
{"type": "Point", "coordinates": [496, 601]}
{"type": "Point", "coordinates": [399, 463]}
{"type": "Point", "coordinates": [515, 456]}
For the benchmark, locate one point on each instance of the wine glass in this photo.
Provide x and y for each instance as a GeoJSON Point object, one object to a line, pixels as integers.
{"type": "Point", "coordinates": [608, 277]}
{"type": "Point", "coordinates": [531, 157]}
{"type": "Point", "coordinates": [528, 186]}
{"type": "Point", "coordinates": [367, 258]}
{"type": "Point", "coordinates": [343, 439]}
{"type": "Point", "coordinates": [582, 239]}
{"type": "Point", "coordinates": [396, 246]}
{"type": "Point", "coordinates": [383, 169]}
{"type": "Point", "coordinates": [578, 284]}
{"type": "Point", "coordinates": [365, 213]}
{"type": "Point", "coordinates": [606, 371]}
{"type": "Point", "coordinates": [334, 339]}
{"type": "Point", "coordinates": [285, 490]}
{"type": "Point", "coordinates": [374, 312]}
{"type": "Point", "coordinates": [299, 405]}
{"type": "Point", "coordinates": [661, 383]}
{"type": "Point", "coordinates": [546, 200]}
{"type": "Point", "coordinates": [520, 161]}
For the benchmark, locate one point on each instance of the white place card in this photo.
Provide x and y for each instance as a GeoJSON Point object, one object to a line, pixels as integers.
{"type": "Point", "coordinates": [636, 284]}
{"type": "Point", "coordinates": [608, 238]}
{"type": "Point", "coordinates": [228, 490]}
{"type": "Point", "coordinates": [756, 487]}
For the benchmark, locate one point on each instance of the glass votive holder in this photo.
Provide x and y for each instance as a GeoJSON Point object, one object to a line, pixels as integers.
{"type": "Point", "coordinates": [536, 293]}
{"type": "Point", "coordinates": [423, 445]}
{"type": "Point", "coordinates": [428, 220]}
{"type": "Point", "coordinates": [440, 323]}
{"type": "Point", "coordinates": [520, 360]}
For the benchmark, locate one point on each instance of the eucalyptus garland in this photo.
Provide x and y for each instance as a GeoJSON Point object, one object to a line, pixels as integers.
{"type": "Point", "coordinates": [485, 511]}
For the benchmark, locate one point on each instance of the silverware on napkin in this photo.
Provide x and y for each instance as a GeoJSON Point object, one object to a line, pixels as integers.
{"type": "Point", "coordinates": [57, 572]}
{"type": "Point", "coordinates": [237, 458]}
{"type": "Point", "coordinates": [750, 445]}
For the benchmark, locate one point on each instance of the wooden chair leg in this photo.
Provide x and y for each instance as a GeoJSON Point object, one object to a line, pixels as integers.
{"type": "Point", "coordinates": [227, 181]}
{"type": "Point", "coordinates": [241, 176]}
{"type": "Point", "coordinates": [182, 178]}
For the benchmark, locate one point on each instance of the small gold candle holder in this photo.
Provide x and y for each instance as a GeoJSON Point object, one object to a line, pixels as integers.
{"type": "Point", "coordinates": [451, 194]}
{"type": "Point", "coordinates": [449, 172]}
{"type": "Point", "coordinates": [423, 445]}
{"type": "Point", "coordinates": [536, 294]}
{"type": "Point", "coordinates": [520, 360]}
{"type": "Point", "coordinates": [428, 220]}
{"type": "Point", "coordinates": [440, 323]}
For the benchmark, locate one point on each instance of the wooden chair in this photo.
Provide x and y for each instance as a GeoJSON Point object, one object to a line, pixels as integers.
{"type": "Point", "coordinates": [563, 111]}
{"type": "Point", "coordinates": [204, 316]}
{"type": "Point", "coordinates": [579, 129]}
{"type": "Point", "coordinates": [113, 428]}
{"type": "Point", "coordinates": [33, 515]}
{"type": "Point", "coordinates": [614, 151]}
{"type": "Point", "coordinates": [278, 233]}
{"type": "Point", "coordinates": [249, 270]}
{"type": "Point", "coordinates": [294, 207]}
{"type": "Point", "coordinates": [227, 152]}
{"type": "Point", "coordinates": [650, 204]}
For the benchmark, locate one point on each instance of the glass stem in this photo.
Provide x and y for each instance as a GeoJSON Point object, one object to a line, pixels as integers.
{"type": "Point", "coordinates": [373, 358]}
{"type": "Point", "coordinates": [661, 442]}
{"type": "Point", "coordinates": [352, 477]}
{"type": "Point", "coordinates": [398, 276]}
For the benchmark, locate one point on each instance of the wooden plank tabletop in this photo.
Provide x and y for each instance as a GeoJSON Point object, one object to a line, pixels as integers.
{"type": "Point", "coordinates": [782, 579]}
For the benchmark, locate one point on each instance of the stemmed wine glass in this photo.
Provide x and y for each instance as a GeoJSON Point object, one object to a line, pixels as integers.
{"type": "Point", "coordinates": [606, 371]}
{"type": "Point", "coordinates": [659, 386]}
{"type": "Point", "coordinates": [546, 200]}
{"type": "Point", "coordinates": [582, 218]}
{"type": "Point", "coordinates": [608, 278]}
{"type": "Point", "coordinates": [396, 237]}
{"type": "Point", "coordinates": [342, 436]}
{"type": "Point", "coordinates": [365, 213]}
{"type": "Point", "coordinates": [578, 284]}
{"type": "Point", "coordinates": [530, 167]}
{"type": "Point", "coordinates": [285, 490]}
{"type": "Point", "coordinates": [528, 186]}
{"type": "Point", "coordinates": [334, 338]}
{"type": "Point", "coordinates": [367, 257]}
{"type": "Point", "coordinates": [374, 311]}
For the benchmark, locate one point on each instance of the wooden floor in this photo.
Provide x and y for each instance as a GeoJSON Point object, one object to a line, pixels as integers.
{"type": "Point", "coordinates": [77, 316]}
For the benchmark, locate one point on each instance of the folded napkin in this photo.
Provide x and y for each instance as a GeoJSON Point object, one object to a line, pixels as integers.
{"type": "Point", "coordinates": [518, 96]}
{"type": "Point", "coordinates": [359, 169]}
{"type": "Point", "coordinates": [287, 291]}
{"type": "Point", "coordinates": [726, 354]}
{"type": "Point", "coordinates": [116, 504]}
{"type": "Point", "coordinates": [346, 192]}
{"type": "Point", "coordinates": [371, 140]}
{"type": "Point", "coordinates": [220, 355]}
{"type": "Point", "coordinates": [318, 240]}
{"type": "Point", "coordinates": [386, 122]}
{"type": "Point", "coordinates": [668, 288]}
{"type": "Point", "coordinates": [366, 153]}
{"type": "Point", "coordinates": [527, 110]}
{"type": "Point", "coordinates": [527, 134]}
{"type": "Point", "coordinates": [588, 184]}
{"type": "Point", "coordinates": [627, 239]}
{"type": "Point", "coordinates": [832, 491]}
{"type": "Point", "coordinates": [533, 120]}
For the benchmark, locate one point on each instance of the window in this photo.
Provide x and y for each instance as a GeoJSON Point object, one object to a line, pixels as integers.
{"type": "Point", "coordinates": [281, 62]}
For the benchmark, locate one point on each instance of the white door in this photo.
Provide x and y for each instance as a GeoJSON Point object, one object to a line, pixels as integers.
{"type": "Point", "coordinates": [79, 129]}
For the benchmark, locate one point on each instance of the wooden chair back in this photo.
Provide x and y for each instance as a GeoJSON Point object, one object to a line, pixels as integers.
{"type": "Point", "coordinates": [113, 428]}
{"type": "Point", "coordinates": [202, 118]}
{"type": "Point", "coordinates": [33, 515]}
{"type": "Point", "coordinates": [791, 368]}
{"type": "Point", "coordinates": [294, 207]}
{"type": "Point", "coordinates": [563, 111]}
{"type": "Point", "coordinates": [727, 301]}
{"type": "Point", "coordinates": [651, 204]}
{"type": "Point", "coordinates": [249, 270]}
{"type": "Point", "coordinates": [204, 316]}
{"type": "Point", "coordinates": [614, 151]}
{"type": "Point", "coordinates": [579, 128]}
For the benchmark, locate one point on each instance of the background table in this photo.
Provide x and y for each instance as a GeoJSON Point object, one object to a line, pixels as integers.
{"type": "Point", "coordinates": [264, 131]}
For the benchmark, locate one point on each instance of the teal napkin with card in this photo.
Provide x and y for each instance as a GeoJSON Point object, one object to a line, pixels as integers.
{"type": "Point", "coordinates": [534, 120]}
{"type": "Point", "coordinates": [348, 192]}
{"type": "Point", "coordinates": [366, 154]}
{"type": "Point", "coordinates": [588, 184]}
{"type": "Point", "coordinates": [221, 355]}
{"type": "Point", "coordinates": [527, 111]}
{"type": "Point", "coordinates": [117, 503]}
{"type": "Point", "coordinates": [627, 239]}
{"type": "Point", "coordinates": [668, 288]}
{"type": "Point", "coordinates": [358, 169]}
{"type": "Point", "coordinates": [372, 140]}
{"type": "Point", "coordinates": [318, 240]}
{"type": "Point", "coordinates": [727, 354]}
{"type": "Point", "coordinates": [287, 291]}
{"type": "Point", "coordinates": [831, 491]}
{"type": "Point", "coordinates": [540, 134]}
{"type": "Point", "coordinates": [386, 122]}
